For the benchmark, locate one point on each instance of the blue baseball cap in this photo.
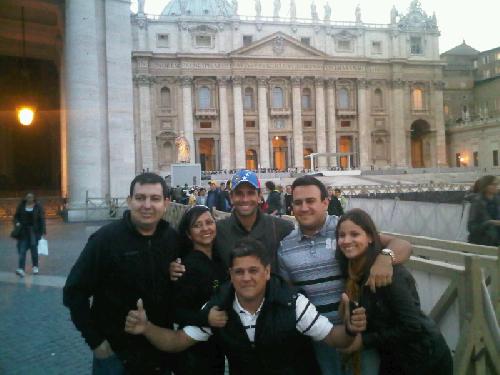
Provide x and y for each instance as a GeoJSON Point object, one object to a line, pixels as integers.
{"type": "Point", "coordinates": [244, 175]}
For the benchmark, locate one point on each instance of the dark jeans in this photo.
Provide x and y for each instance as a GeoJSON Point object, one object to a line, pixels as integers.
{"type": "Point", "coordinates": [23, 244]}
{"type": "Point", "coordinates": [107, 366]}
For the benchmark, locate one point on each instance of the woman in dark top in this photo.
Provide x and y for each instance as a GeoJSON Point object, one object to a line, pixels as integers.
{"type": "Point", "coordinates": [273, 199]}
{"type": "Point", "coordinates": [407, 340]}
{"type": "Point", "coordinates": [204, 274]}
{"type": "Point", "coordinates": [30, 217]}
{"type": "Point", "coordinates": [484, 215]}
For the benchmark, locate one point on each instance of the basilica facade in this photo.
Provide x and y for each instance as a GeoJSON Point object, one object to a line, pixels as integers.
{"type": "Point", "coordinates": [266, 91]}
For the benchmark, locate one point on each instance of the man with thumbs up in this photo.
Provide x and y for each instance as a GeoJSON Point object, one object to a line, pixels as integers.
{"type": "Point", "coordinates": [121, 262]}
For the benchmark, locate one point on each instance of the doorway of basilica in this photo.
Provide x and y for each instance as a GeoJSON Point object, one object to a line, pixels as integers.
{"type": "Point", "coordinates": [251, 159]}
{"type": "Point", "coordinates": [345, 145]}
{"type": "Point", "coordinates": [307, 160]}
{"type": "Point", "coordinates": [207, 154]}
{"type": "Point", "coordinates": [420, 134]}
{"type": "Point", "coordinates": [280, 153]}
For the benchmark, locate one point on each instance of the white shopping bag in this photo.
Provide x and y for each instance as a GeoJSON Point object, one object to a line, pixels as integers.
{"type": "Point", "coordinates": [43, 247]}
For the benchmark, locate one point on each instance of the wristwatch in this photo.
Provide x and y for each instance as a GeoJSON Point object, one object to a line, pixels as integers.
{"type": "Point", "coordinates": [390, 253]}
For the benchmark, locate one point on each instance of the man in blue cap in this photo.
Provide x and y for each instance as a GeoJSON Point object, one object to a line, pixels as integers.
{"type": "Point", "coordinates": [246, 220]}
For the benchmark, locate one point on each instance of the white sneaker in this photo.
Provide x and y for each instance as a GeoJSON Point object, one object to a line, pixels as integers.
{"type": "Point", "coordinates": [35, 271]}
{"type": "Point", "coordinates": [20, 272]}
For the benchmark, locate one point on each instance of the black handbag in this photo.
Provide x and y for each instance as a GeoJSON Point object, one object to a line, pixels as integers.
{"type": "Point", "coordinates": [16, 232]}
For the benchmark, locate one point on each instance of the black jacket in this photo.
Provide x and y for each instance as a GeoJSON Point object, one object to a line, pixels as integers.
{"type": "Point", "coordinates": [278, 349]}
{"type": "Point", "coordinates": [334, 207]}
{"type": "Point", "coordinates": [408, 341]}
{"type": "Point", "coordinates": [274, 202]}
{"type": "Point", "coordinates": [288, 203]}
{"type": "Point", "coordinates": [38, 219]}
{"type": "Point", "coordinates": [270, 230]}
{"type": "Point", "coordinates": [116, 268]}
{"type": "Point", "coordinates": [480, 231]}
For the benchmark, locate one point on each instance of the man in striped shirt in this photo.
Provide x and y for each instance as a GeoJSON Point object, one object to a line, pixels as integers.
{"type": "Point", "coordinates": [306, 259]}
{"type": "Point", "coordinates": [269, 326]}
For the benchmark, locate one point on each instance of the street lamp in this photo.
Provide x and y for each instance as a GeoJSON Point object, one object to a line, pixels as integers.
{"type": "Point", "coordinates": [25, 113]}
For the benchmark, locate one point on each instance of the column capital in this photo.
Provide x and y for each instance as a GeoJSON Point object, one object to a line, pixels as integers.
{"type": "Point", "coordinates": [223, 80]}
{"type": "Point", "coordinates": [398, 83]}
{"type": "Point", "coordinates": [330, 82]}
{"type": "Point", "coordinates": [186, 81]}
{"type": "Point", "coordinates": [143, 79]}
{"type": "Point", "coordinates": [363, 83]}
{"type": "Point", "coordinates": [296, 81]}
{"type": "Point", "coordinates": [262, 80]}
{"type": "Point", "coordinates": [439, 85]}
{"type": "Point", "coordinates": [319, 81]}
{"type": "Point", "coordinates": [237, 80]}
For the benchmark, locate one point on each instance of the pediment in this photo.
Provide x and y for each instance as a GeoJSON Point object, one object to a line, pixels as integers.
{"type": "Point", "coordinates": [277, 45]}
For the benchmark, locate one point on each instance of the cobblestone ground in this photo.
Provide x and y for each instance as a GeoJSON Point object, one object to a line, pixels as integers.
{"type": "Point", "coordinates": [37, 335]}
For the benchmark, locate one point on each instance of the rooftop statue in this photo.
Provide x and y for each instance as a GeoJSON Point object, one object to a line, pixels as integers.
{"type": "Point", "coordinates": [140, 7]}
{"type": "Point", "coordinates": [293, 10]}
{"type": "Point", "coordinates": [328, 11]}
{"type": "Point", "coordinates": [258, 8]}
{"type": "Point", "coordinates": [394, 14]}
{"type": "Point", "coordinates": [357, 13]}
{"type": "Point", "coordinates": [276, 10]}
{"type": "Point", "coordinates": [234, 3]}
{"type": "Point", "coordinates": [314, 11]}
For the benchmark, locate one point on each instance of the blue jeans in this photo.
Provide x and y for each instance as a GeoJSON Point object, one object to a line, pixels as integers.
{"type": "Point", "coordinates": [107, 366]}
{"type": "Point", "coordinates": [23, 244]}
{"type": "Point", "coordinates": [330, 361]}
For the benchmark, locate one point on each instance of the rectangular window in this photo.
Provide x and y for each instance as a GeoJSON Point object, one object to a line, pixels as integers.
{"type": "Point", "coordinates": [486, 59]}
{"type": "Point", "coordinates": [203, 40]}
{"type": "Point", "coordinates": [475, 156]}
{"type": "Point", "coordinates": [247, 40]}
{"type": "Point", "coordinates": [497, 69]}
{"type": "Point", "coordinates": [305, 40]}
{"type": "Point", "coordinates": [344, 45]}
{"type": "Point", "coordinates": [376, 47]}
{"type": "Point", "coordinates": [249, 124]}
{"type": "Point", "coordinates": [162, 41]}
{"type": "Point", "coordinates": [474, 63]}
{"type": "Point", "coordinates": [205, 125]}
{"type": "Point", "coordinates": [498, 55]}
{"type": "Point", "coordinates": [416, 45]}
{"type": "Point", "coordinates": [345, 124]}
{"type": "Point", "coordinates": [279, 123]}
{"type": "Point", "coordinates": [308, 124]}
{"type": "Point", "coordinates": [486, 74]}
{"type": "Point", "coordinates": [495, 158]}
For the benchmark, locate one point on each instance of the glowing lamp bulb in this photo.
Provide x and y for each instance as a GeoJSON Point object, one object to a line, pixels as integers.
{"type": "Point", "coordinates": [25, 116]}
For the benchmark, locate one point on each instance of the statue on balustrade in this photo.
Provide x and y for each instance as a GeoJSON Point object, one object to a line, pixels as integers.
{"type": "Point", "coordinates": [182, 145]}
{"type": "Point", "coordinates": [140, 6]}
{"type": "Point", "coordinates": [357, 12]}
{"type": "Point", "coordinates": [314, 11]}
{"type": "Point", "coordinates": [293, 10]}
{"type": "Point", "coordinates": [277, 6]}
{"type": "Point", "coordinates": [258, 8]}
{"type": "Point", "coordinates": [328, 12]}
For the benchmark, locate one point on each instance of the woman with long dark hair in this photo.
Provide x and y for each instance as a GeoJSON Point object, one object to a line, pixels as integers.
{"type": "Point", "coordinates": [484, 215]}
{"type": "Point", "coordinates": [205, 272]}
{"type": "Point", "coordinates": [30, 218]}
{"type": "Point", "coordinates": [407, 340]}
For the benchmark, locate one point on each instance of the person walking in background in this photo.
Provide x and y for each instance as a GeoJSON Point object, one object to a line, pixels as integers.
{"type": "Point", "coordinates": [288, 200]}
{"type": "Point", "coordinates": [213, 195]}
{"type": "Point", "coordinates": [342, 199]}
{"type": "Point", "coordinates": [408, 342]}
{"type": "Point", "coordinates": [334, 205]}
{"type": "Point", "coordinates": [205, 272]}
{"type": "Point", "coordinates": [484, 216]}
{"type": "Point", "coordinates": [273, 199]}
{"type": "Point", "coordinates": [201, 199]}
{"type": "Point", "coordinates": [30, 218]}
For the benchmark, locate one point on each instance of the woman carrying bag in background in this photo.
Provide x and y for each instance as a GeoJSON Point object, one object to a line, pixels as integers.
{"type": "Point", "coordinates": [30, 218]}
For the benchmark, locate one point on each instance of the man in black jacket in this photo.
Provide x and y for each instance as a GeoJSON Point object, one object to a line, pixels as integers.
{"type": "Point", "coordinates": [269, 326]}
{"type": "Point", "coordinates": [121, 262]}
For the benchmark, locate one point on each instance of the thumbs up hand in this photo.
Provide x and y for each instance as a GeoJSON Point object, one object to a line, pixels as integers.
{"type": "Point", "coordinates": [137, 320]}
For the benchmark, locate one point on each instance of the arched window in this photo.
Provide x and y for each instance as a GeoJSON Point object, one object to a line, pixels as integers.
{"type": "Point", "coordinates": [204, 97]}
{"type": "Point", "coordinates": [306, 98]}
{"type": "Point", "coordinates": [165, 97]}
{"type": "Point", "coordinates": [248, 99]}
{"type": "Point", "coordinates": [343, 99]}
{"type": "Point", "coordinates": [417, 98]}
{"type": "Point", "coordinates": [378, 99]}
{"type": "Point", "coordinates": [277, 98]}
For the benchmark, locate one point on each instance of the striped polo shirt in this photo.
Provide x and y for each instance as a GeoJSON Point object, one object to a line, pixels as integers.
{"type": "Point", "coordinates": [309, 263]}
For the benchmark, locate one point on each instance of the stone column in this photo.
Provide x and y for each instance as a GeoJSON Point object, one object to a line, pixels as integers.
{"type": "Point", "coordinates": [398, 133]}
{"type": "Point", "coordinates": [363, 126]}
{"type": "Point", "coordinates": [239, 132]}
{"type": "Point", "coordinates": [225, 138]}
{"type": "Point", "coordinates": [86, 127]}
{"type": "Point", "coordinates": [439, 119]}
{"type": "Point", "coordinates": [298, 140]}
{"type": "Point", "coordinates": [263, 123]}
{"type": "Point", "coordinates": [187, 115]}
{"type": "Point", "coordinates": [119, 98]}
{"type": "Point", "coordinates": [320, 121]}
{"type": "Point", "coordinates": [145, 134]}
{"type": "Point", "coordinates": [332, 121]}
